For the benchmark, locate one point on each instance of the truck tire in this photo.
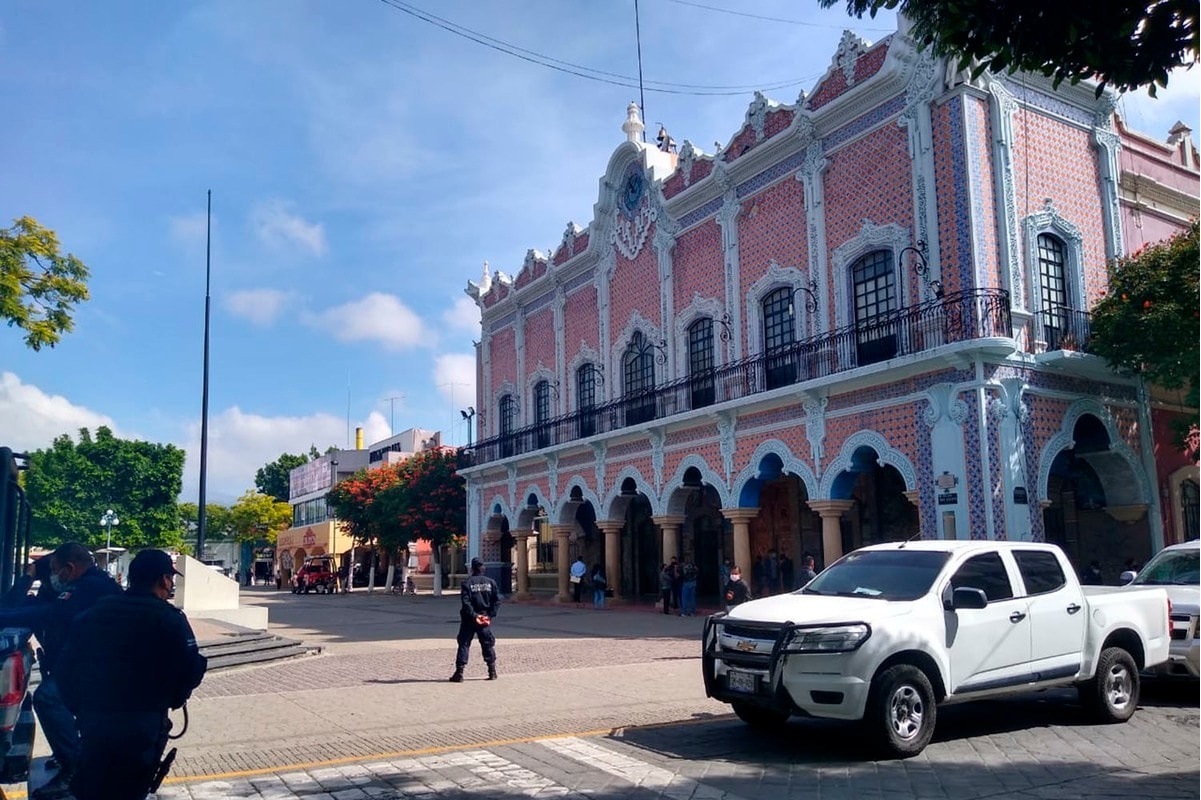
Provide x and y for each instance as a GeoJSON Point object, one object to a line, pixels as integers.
{"type": "Point", "coordinates": [1112, 694]}
{"type": "Point", "coordinates": [766, 719]}
{"type": "Point", "coordinates": [901, 711]}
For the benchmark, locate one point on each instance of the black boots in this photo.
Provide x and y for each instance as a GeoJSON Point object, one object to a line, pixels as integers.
{"type": "Point", "coordinates": [457, 677]}
{"type": "Point", "coordinates": [491, 672]}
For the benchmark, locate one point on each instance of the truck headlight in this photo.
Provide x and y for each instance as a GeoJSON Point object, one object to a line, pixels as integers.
{"type": "Point", "coordinates": [831, 639]}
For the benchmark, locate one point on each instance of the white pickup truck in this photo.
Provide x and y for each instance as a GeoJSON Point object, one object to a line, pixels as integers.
{"type": "Point", "coordinates": [889, 632]}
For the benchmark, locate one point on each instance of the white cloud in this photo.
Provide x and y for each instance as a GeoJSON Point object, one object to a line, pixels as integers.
{"type": "Point", "coordinates": [377, 317]}
{"type": "Point", "coordinates": [278, 228]}
{"type": "Point", "coordinates": [454, 377]}
{"type": "Point", "coordinates": [188, 230]}
{"type": "Point", "coordinates": [259, 306]}
{"type": "Point", "coordinates": [240, 443]}
{"type": "Point", "coordinates": [463, 315]}
{"type": "Point", "coordinates": [32, 418]}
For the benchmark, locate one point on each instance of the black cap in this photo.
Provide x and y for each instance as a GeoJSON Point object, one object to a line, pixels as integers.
{"type": "Point", "coordinates": [149, 565]}
{"type": "Point", "coordinates": [476, 563]}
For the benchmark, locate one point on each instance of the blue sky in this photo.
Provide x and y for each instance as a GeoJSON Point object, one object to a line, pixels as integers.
{"type": "Point", "coordinates": [364, 164]}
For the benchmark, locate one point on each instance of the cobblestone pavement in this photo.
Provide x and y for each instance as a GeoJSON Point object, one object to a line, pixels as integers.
{"type": "Point", "coordinates": [610, 705]}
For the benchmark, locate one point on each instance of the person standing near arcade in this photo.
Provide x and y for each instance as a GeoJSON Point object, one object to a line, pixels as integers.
{"type": "Point", "coordinates": [481, 601]}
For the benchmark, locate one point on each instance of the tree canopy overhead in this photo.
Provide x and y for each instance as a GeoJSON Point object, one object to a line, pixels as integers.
{"type": "Point", "coordinates": [39, 286]}
{"type": "Point", "coordinates": [71, 485]}
{"type": "Point", "coordinates": [1148, 322]}
{"type": "Point", "coordinates": [1122, 45]}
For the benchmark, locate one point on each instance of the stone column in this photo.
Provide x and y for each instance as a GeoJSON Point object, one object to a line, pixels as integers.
{"type": "Point", "coordinates": [670, 525]}
{"type": "Point", "coordinates": [612, 530]}
{"type": "Point", "coordinates": [831, 513]}
{"type": "Point", "coordinates": [741, 518]}
{"type": "Point", "coordinates": [912, 495]}
{"type": "Point", "coordinates": [562, 532]}
{"type": "Point", "coordinates": [523, 565]}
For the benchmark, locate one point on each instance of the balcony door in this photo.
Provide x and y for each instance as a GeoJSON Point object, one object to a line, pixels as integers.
{"type": "Point", "coordinates": [874, 283]}
{"type": "Point", "coordinates": [700, 363]}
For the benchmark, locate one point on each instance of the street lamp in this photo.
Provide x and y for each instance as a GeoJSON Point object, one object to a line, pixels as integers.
{"type": "Point", "coordinates": [108, 521]}
{"type": "Point", "coordinates": [468, 415]}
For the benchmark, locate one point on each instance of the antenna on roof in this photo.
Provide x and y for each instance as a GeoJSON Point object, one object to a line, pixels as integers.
{"type": "Point", "coordinates": [638, 38]}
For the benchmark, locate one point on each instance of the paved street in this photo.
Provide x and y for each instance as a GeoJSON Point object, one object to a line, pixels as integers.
{"type": "Point", "coordinates": [607, 705]}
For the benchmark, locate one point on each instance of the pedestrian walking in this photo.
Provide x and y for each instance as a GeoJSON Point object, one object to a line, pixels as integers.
{"type": "Point", "coordinates": [128, 660]}
{"type": "Point", "coordinates": [688, 590]}
{"type": "Point", "coordinates": [677, 582]}
{"type": "Point", "coordinates": [599, 585]}
{"type": "Point", "coordinates": [578, 570]}
{"type": "Point", "coordinates": [76, 585]}
{"type": "Point", "coordinates": [665, 587]}
{"type": "Point", "coordinates": [736, 592]}
{"type": "Point", "coordinates": [481, 601]}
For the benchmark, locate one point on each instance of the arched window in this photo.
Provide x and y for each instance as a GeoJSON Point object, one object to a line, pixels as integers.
{"type": "Point", "coordinates": [778, 337]}
{"type": "Point", "coordinates": [873, 282]}
{"type": "Point", "coordinates": [1053, 290]}
{"type": "Point", "coordinates": [700, 362]}
{"type": "Point", "coordinates": [542, 412]}
{"type": "Point", "coordinates": [1190, 506]}
{"type": "Point", "coordinates": [638, 371]}
{"type": "Point", "coordinates": [508, 423]}
{"type": "Point", "coordinates": [585, 393]}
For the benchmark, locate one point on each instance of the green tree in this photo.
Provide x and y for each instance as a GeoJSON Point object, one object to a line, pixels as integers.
{"type": "Point", "coordinates": [39, 286]}
{"type": "Point", "coordinates": [353, 501]}
{"type": "Point", "coordinates": [1125, 45]}
{"type": "Point", "coordinates": [1148, 321]}
{"type": "Point", "coordinates": [272, 479]}
{"type": "Point", "coordinates": [217, 521]}
{"type": "Point", "coordinates": [70, 485]}
{"type": "Point", "coordinates": [258, 516]}
{"type": "Point", "coordinates": [428, 501]}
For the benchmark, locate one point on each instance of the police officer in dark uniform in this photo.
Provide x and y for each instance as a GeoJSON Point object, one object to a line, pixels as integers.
{"type": "Point", "coordinates": [481, 601]}
{"type": "Point", "coordinates": [129, 659]}
{"type": "Point", "coordinates": [72, 585]}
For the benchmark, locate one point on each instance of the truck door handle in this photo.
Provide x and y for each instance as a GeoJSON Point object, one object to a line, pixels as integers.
{"type": "Point", "coordinates": [1017, 616]}
{"type": "Point", "coordinates": [1073, 608]}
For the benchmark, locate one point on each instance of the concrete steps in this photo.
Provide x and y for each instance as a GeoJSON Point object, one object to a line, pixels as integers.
{"type": "Point", "coordinates": [251, 647]}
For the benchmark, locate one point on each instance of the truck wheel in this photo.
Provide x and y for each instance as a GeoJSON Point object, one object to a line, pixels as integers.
{"type": "Point", "coordinates": [901, 711]}
{"type": "Point", "coordinates": [1112, 695]}
{"type": "Point", "coordinates": [760, 717]}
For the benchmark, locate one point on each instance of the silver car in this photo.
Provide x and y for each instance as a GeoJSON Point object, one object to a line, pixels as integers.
{"type": "Point", "coordinates": [1177, 570]}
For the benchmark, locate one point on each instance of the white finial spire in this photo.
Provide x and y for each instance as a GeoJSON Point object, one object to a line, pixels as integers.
{"type": "Point", "coordinates": [486, 280]}
{"type": "Point", "coordinates": [633, 126]}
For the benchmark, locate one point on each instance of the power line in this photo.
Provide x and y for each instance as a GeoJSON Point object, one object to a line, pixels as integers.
{"type": "Point", "coordinates": [578, 70]}
{"type": "Point", "coordinates": [734, 13]}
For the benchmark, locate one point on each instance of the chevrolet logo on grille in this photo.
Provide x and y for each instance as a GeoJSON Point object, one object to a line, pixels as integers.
{"type": "Point", "coordinates": [745, 646]}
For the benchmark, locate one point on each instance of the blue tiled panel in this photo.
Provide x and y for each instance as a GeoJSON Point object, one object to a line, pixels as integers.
{"type": "Point", "coordinates": [1033, 97]}
{"type": "Point", "coordinates": [698, 214]}
{"type": "Point", "coordinates": [864, 122]}
{"type": "Point", "coordinates": [977, 519]}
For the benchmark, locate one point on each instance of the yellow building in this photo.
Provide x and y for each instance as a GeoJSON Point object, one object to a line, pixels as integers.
{"type": "Point", "coordinates": [295, 544]}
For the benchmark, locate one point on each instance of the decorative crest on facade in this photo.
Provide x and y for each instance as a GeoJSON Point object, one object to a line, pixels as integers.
{"type": "Point", "coordinates": [850, 47]}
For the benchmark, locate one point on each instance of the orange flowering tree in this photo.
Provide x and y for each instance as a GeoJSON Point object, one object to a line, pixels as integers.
{"type": "Point", "coordinates": [1148, 322]}
{"type": "Point", "coordinates": [355, 502]}
{"type": "Point", "coordinates": [429, 499]}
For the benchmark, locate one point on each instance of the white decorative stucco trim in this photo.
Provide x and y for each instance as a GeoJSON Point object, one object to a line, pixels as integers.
{"type": "Point", "coordinates": [871, 237]}
{"type": "Point", "coordinates": [774, 278]}
{"type": "Point", "coordinates": [1064, 440]}
{"type": "Point", "coordinates": [506, 388]}
{"type": "Point", "coordinates": [542, 373]}
{"type": "Point", "coordinates": [1048, 220]}
{"type": "Point", "coordinates": [792, 466]}
{"type": "Point", "coordinates": [673, 493]}
{"type": "Point", "coordinates": [885, 454]}
{"type": "Point", "coordinates": [698, 308]}
{"type": "Point", "coordinates": [611, 500]}
{"type": "Point", "coordinates": [564, 500]}
{"type": "Point", "coordinates": [585, 355]}
{"type": "Point", "coordinates": [653, 336]}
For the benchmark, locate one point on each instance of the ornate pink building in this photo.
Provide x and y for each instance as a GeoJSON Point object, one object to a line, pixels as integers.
{"type": "Point", "coordinates": [863, 319]}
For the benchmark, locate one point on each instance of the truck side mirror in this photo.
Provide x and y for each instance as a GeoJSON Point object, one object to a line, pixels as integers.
{"type": "Point", "coordinates": [969, 597]}
{"type": "Point", "coordinates": [1126, 577]}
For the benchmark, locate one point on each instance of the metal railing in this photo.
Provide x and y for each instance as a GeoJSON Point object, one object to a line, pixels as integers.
{"type": "Point", "coordinates": [1064, 328]}
{"type": "Point", "coordinates": [959, 317]}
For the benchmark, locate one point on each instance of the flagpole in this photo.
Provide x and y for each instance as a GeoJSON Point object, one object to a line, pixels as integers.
{"type": "Point", "coordinates": [204, 407]}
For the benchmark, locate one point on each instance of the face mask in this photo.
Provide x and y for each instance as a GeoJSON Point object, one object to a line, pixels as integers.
{"type": "Point", "coordinates": [57, 583]}
{"type": "Point", "coordinates": [735, 576]}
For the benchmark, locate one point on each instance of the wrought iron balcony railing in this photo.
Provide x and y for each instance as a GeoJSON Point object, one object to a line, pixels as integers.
{"type": "Point", "coordinates": [959, 317]}
{"type": "Point", "coordinates": [1063, 328]}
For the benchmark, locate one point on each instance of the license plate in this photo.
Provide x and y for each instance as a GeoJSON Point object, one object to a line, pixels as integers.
{"type": "Point", "coordinates": [741, 681]}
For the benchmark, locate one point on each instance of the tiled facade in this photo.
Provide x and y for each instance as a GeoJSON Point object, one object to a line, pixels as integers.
{"type": "Point", "coordinates": [1004, 432]}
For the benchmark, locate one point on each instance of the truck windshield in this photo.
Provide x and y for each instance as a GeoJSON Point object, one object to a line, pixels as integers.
{"type": "Point", "coordinates": [881, 574]}
{"type": "Point", "coordinates": [1171, 568]}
